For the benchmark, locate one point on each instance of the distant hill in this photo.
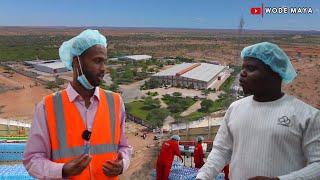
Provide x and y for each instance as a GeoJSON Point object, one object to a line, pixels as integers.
{"type": "Point", "coordinates": [64, 30]}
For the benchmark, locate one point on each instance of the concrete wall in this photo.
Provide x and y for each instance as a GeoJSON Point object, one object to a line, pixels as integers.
{"type": "Point", "coordinates": [194, 132]}
{"type": "Point", "coordinates": [182, 81]}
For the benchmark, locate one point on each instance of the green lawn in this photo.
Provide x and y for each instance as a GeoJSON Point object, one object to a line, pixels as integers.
{"type": "Point", "coordinates": [195, 116]}
{"type": "Point", "coordinates": [227, 84]}
{"type": "Point", "coordinates": [184, 102]}
{"type": "Point", "coordinates": [136, 109]}
{"type": "Point", "coordinates": [153, 117]}
{"type": "Point", "coordinates": [216, 106]}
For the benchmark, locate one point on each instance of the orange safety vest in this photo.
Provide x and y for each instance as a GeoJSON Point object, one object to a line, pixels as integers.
{"type": "Point", "coordinates": [66, 127]}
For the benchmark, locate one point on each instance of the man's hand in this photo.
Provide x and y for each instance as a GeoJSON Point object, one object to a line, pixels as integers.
{"type": "Point", "coordinates": [75, 166]}
{"type": "Point", "coordinates": [263, 178]}
{"type": "Point", "coordinates": [113, 168]}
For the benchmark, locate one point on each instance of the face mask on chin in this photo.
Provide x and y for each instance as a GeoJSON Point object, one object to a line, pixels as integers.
{"type": "Point", "coordinates": [82, 79]}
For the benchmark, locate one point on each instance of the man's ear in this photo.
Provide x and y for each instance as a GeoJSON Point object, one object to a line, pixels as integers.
{"type": "Point", "coordinates": [75, 63]}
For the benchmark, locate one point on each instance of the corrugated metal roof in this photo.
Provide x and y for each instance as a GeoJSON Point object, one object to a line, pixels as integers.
{"type": "Point", "coordinates": [137, 57]}
{"type": "Point", "coordinates": [204, 72]}
{"type": "Point", "coordinates": [174, 70]}
{"type": "Point", "coordinates": [53, 65]}
{"type": "Point", "coordinates": [187, 69]}
{"type": "Point", "coordinates": [37, 61]}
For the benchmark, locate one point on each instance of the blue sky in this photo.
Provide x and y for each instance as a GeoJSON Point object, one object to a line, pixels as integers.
{"type": "Point", "coordinates": [211, 14]}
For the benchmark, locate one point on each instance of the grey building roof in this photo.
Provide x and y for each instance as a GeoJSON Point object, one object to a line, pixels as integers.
{"type": "Point", "coordinates": [34, 62]}
{"type": "Point", "coordinates": [203, 72]}
{"type": "Point", "coordinates": [52, 65]}
{"type": "Point", "coordinates": [136, 57]}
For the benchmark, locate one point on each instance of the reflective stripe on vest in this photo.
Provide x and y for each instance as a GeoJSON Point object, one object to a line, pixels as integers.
{"type": "Point", "coordinates": [64, 151]}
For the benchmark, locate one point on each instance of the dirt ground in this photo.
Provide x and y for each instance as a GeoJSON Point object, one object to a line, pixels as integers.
{"type": "Point", "coordinates": [19, 104]}
{"type": "Point", "coordinates": [142, 151]}
{"type": "Point", "coordinates": [307, 84]}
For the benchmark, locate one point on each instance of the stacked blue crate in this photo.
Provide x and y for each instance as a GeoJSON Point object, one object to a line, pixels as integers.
{"type": "Point", "coordinates": [153, 174]}
{"type": "Point", "coordinates": [220, 176]}
{"type": "Point", "coordinates": [10, 156]}
{"type": "Point", "coordinates": [180, 172]}
{"type": "Point", "coordinates": [14, 172]}
{"type": "Point", "coordinates": [11, 151]}
{"type": "Point", "coordinates": [176, 165]}
{"type": "Point", "coordinates": [11, 147]}
{"type": "Point", "coordinates": [183, 173]}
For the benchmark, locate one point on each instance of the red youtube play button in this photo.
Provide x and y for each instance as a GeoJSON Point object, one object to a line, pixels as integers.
{"type": "Point", "coordinates": [255, 11]}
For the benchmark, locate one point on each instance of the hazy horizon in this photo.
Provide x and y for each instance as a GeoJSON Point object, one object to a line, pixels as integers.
{"type": "Point", "coordinates": [188, 14]}
{"type": "Point", "coordinates": [154, 28]}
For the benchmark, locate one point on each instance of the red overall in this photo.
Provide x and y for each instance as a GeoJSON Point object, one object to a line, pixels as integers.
{"type": "Point", "coordinates": [226, 172]}
{"type": "Point", "coordinates": [198, 156]}
{"type": "Point", "coordinates": [165, 158]}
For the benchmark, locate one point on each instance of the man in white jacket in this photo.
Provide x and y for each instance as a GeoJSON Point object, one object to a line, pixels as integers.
{"type": "Point", "coordinates": [268, 135]}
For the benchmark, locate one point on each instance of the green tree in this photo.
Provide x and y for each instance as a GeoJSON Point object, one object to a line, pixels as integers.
{"type": "Point", "coordinates": [175, 108]}
{"type": "Point", "coordinates": [144, 68]}
{"type": "Point", "coordinates": [184, 59]}
{"type": "Point", "coordinates": [177, 94]}
{"type": "Point", "coordinates": [157, 116]}
{"type": "Point", "coordinates": [113, 87]}
{"type": "Point", "coordinates": [150, 103]}
{"type": "Point", "coordinates": [205, 105]}
{"type": "Point", "coordinates": [151, 84]}
{"type": "Point", "coordinates": [206, 92]}
{"type": "Point", "coordinates": [113, 74]}
{"type": "Point", "coordinates": [128, 74]}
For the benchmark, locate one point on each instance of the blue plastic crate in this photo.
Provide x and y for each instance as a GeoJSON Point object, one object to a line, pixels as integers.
{"type": "Point", "coordinates": [11, 156]}
{"type": "Point", "coordinates": [11, 151]}
{"type": "Point", "coordinates": [180, 172]}
{"type": "Point", "coordinates": [12, 147]}
{"type": "Point", "coordinates": [14, 172]}
{"type": "Point", "coordinates": [220, 176]}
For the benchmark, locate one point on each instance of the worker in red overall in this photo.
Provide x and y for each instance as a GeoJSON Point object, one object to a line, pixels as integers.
{"type": "Point", "coordinates": [226, 172]}
{"type": "Point", "coordinates": [198, 153]}
{"type": "Point", "coordinates": [166, 156]}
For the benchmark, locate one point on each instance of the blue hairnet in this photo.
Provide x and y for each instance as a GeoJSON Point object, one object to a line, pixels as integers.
{"type": "Point", "coordinates": [200, 138]}
{"type": "Point", "coordinates": [271, 55]}
{"type": "Point", "coordinates": [77, 45]}
{"type": "Point", "coordinates": [175, 137]}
